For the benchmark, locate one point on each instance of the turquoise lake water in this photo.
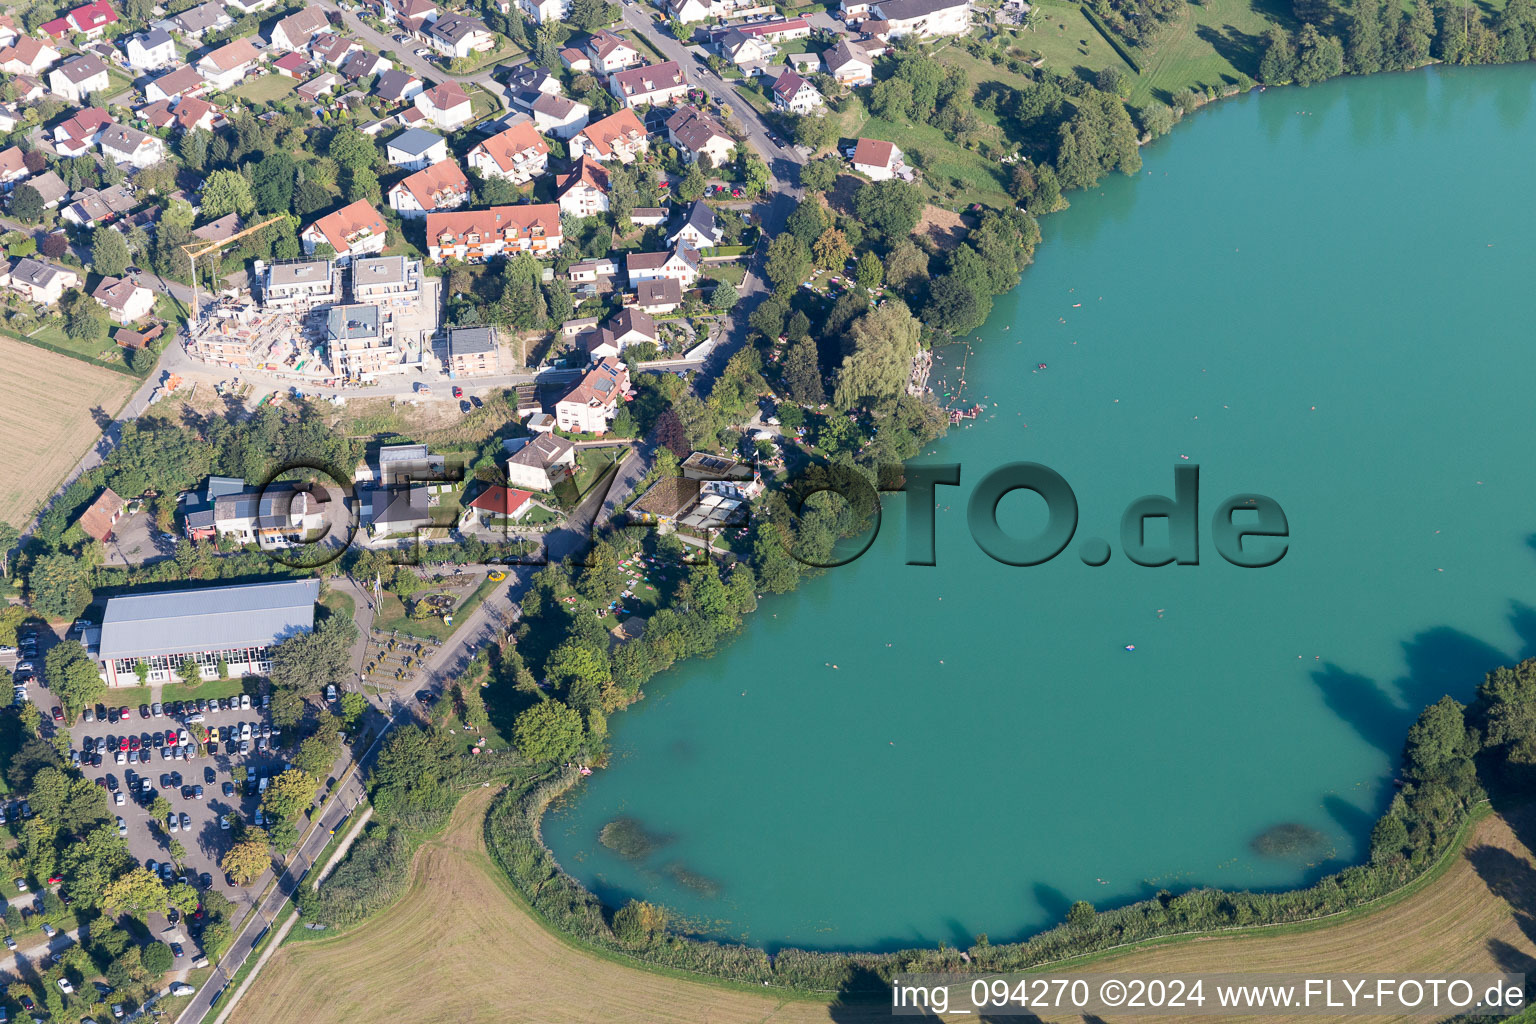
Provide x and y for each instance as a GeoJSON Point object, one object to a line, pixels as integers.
{"type": "Point", "coordinates": [1324, 296]}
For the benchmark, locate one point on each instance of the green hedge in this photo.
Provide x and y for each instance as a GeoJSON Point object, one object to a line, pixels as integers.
{"type": "Point", "coordinates": [1114, 41]}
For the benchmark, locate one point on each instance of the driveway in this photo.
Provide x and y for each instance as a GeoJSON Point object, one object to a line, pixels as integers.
{"type": "Point", "coordinates": [135, 541]}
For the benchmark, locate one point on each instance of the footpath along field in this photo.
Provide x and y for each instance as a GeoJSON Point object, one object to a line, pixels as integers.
{"type": "Point", "coordinates": [49, 408]}
{"type": "Point", "coordinates": [460, 946]}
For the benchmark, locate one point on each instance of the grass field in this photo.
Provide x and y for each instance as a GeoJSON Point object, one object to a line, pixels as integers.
{"type": "Point", "coordinates": [468, 944]}
{"type": "Point", "coordinates": [264, 89]}
{"type": "Point", "coordinates": [50, 406]}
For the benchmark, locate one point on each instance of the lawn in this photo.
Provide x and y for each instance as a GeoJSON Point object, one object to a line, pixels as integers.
{"type": "Point", "coordinates": [133, 696]}
{"type": "Point", "coordinates": [508, 53]}
{"type": "Point", "coordinates": [958, 176]}
{"type": "Point", "coordinates": [52, 408]}
{"type": "Point", "coordinates": [592, 465]}
{"type": "Point", "coordinates": [264, 89]}
{"type": "Point", "coordinates": [103, 349]}
{"type": "Point", "coordinates": [392, 616]}
{"type": "Point", "coordinates": [338, 603]}
{"type": "Point", "coordinates": [1211, 45]}
{"type": "Point", "coordinates": [735, 273]}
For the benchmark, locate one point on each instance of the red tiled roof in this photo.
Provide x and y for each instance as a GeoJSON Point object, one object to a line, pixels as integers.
{"type": "Point", "coordinates": [503, 147]}
{"type": "Point", "coordinates": [445, 96]}
{"type": "Point", "coordinates": [502, 501]}
{"type": "Point", "coordinates": [623, 126]}
{"type": "Point", "coordinates": [426, 185]}
{"type": "Point", "coordinates": [97, 519]}
{"type": "Point", "coordinates": [532, 221]}
{"type": "Point", "coordinates": [873, 153]}
{"type": "Point", "coordinates": [341, 227]}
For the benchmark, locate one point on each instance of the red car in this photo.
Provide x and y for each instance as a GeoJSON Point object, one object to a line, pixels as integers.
{"type": "Point", "coordinates": [125, 714]}
{"type": "Point", "coordinates": [58, 714]}
{"type": "Point", "coordinates": [458, 392]}
{"type": "Point", "coordinates": [55, 879]}
{"type": "Point", "coordinates": [133, 743]}
{"type": "Point", "coordinates": [122, 744]}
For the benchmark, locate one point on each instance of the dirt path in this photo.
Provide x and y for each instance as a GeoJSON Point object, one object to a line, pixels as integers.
{"type": "Point", "coordinates": [459, 947]}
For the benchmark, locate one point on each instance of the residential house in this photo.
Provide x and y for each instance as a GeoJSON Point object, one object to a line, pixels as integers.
{"type": "Point", "coordinates": [575, 59]}
{"type": "Point", "coordinates": [659, 296]}
{"type": "Point", "coordinates": [653, 84]}
{"type": "Point", "coordinates": [220, 230]}
{"type": "Point", "coordinates": [441, 186]}
{"type": "Point", "coordinates": [90, 207]}
{"type": "Point", "coordinates": [694, 133]}
{"type": "Point", "coordinates": [680, 265]}
{"type": "Point", "coordinates": [149, 50]}
{"type": "Point", "coordinates": [298, 286]}
{"type": "Point", "coordinates": [183, 81]}
{"type": "Point", "coordinates": [478, 235]}
{"type": "Point", "coordinates": [91, 20]}
{"type": "Point", "coordinates": [625, 328]}
{"type": "Point", "coordinates": [793, 93]}
{"type": "Point", "coordinates": [518, 154]}
{"type": "Point", "coordinates": [497, 502]}
{"type": "Point", "coordinates": [277, 516]}
{"type": "Point", "coordinates": [332, 48]}
{"type": "Point", "coordinates": [293, 65]}
{"type": "Point", "coordinates": [191, 113]}
{"type": "Point", "coordinates": [923, 17]}
{"type": "Point", "coordinates": [559, 116]}
{"type": "Point", "coordinates": [396, 86]}
{"type": "Point", "coordinates": [10, 117]}
{"type": "Point", "coordinates": [295, 31]}
{"type": "Point", "coordinates": [610, 52]}
{"type": "Point", "coordinates": [590, 406]}
{"type": "Point", "coordinates": [226, 67]}
{"type": "Point", "coordinates": [101, 515]}
{"type": "Point", "coordinates": [850, 64]}
{"type": "Point", "coordinates": [742, 49]}
{"type": "Point", "coordinates": [445, 105]}
{"type": "Point", "coordinates": [589, 271]}
{"type": "Point", "coordinates": [251, 6]}
{"type": "Point", "coordinates": [9, 32]}
{"type": "Point", "coordinates": [414, 15]}
{"type": "Point", "coordinates": [13, 166]}
{"type": "Point", "coordinates": [472, 352]}
{"type": "Point", "coordinates": [541, 463]}
{"type": "Point", "coordinates": [544, 10]}
{"type": "Point", "coordinates": [361, 64]}
{"type": "Point", "coordinates": [416, 149]}
{"type": "Point", "coordinates": [124, 300]}
{"type": "Point", "coordinates": [459, 35]}
{"type": "Point", "coordinates": [78, 134]}
{"type": "Point", "coordinates": [528, 82]}
{"type": "Point", "coordinates": [699, 231]}
{"type": "Point", "coordinates": [76, 79]}
{"type": "Point", "coordinates": [38, 280]}
{"type": "Point", "coordinates": [400, 465]}
{"type": "Point", "coordinates": [648, 216]}
{"type": "Point", "coordinates": [124, 145]}
{"type": "Point", "coordinates": [583, 190]}
{"type": "Point", "coordinates": [28, 56]}
{"type": "Point", "coordinates": [618, 137]}
{"type": "Point", "coordinates": [877, 159]}
{"type": "Point", "coordinates": [196, 22]}
{"type": "Point", "coordinates": [775, 31]}
{"type": "Point", "coordinates": [354, 230]}
{"type": "Point", "coordinates": [688, 11]}
{"type": "Point", "coordinates": [395, 511]}
{"type": "Point", "coordinates": [321, 85]}
{"type": "Point", "coordinates": [51, 187]}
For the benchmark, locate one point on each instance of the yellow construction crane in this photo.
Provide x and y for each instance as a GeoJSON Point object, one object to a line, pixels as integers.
{"type": "Point", "coordinates": [205, 248]}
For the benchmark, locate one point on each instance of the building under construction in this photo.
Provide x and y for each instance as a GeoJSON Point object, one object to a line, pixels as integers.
{"type": "Point", "coordinates": [239, 334]}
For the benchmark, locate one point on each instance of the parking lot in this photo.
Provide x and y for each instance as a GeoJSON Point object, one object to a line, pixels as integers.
{"type": "Point", "coordinates": [138, 758]}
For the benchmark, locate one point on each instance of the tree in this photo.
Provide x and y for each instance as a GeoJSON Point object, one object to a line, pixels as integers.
{"type": "Point", "coordinates": [194, 148]}
{"type": "Point", "coordinates": [788, 262]}
{"type": "Point", "coordinates": [869, 271]}
{"type": "Point", "coordinates": [109, 252]}
{"type": "Point", "coordinates": [83, 321]}
{"type": "Point", "coordinates": [889, 208]}
{"type": "Point", "coordinates": [319, 751]}
{"type": "Point", "coordinates": [138, 894]}
{"type": "Point", "coordinates": [351, 149]}
{"type": "Point", "coordinates": [724, 297]}
{"type": "Point", "coordinates": [226, 192]}
{"type": "Point", "coordinates": [1278, 65]}
{"type": "Point", "coordinates": [73, 677]}
{"type": "Point", "coordinates": [881, 345]}
{"type": "Point", "coordinates": [815, 132]}
{"type": "Point", "coordinates": [1365, 37]}
{"type": "Point", "coordinates": [55, 244]}
{"type": "Point", "coordinates": [247, 859]}
{"type": "Point", "coordinates": [27, 204]}
{"type": "Point", "coordinates": [184, 898]}
{"type": "Point", "coordinates": [1439, 737]}
{"type": "Point", "coordinates": [691, 188]}
{"type": "Point", "coordinates": [819, 175]}
{"type": "Point", "coordinates": [547, 732]}
{"type": "Point", "coordinates": [57, 587]}
{"type": "Point", "coordinates": [353, 704]}
{"type": "Point", "coordinates": [832, 249]}
{"type": "Point", "coordinates": [802, 373]}
{"type": "Point", "coordinates": [272, 181]}
{"type": "Point", "coordinates": [157, 959]}
{"type": "Point", "coordinates": [289, 793]}
{"type": "Point", "coordinates": [1318, 57]}
{"type": "Point", "coordinates": [1080, 914]}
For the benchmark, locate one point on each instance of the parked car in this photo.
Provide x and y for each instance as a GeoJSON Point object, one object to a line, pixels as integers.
{"type": "Point", "coordinates": [172, 823]}
{"type": "Point", "coordinates": [208, 776]}
{"type": "Point", "coordinates": [157, 710]}
{"type": "Point", "coordinates": [186, 822]}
